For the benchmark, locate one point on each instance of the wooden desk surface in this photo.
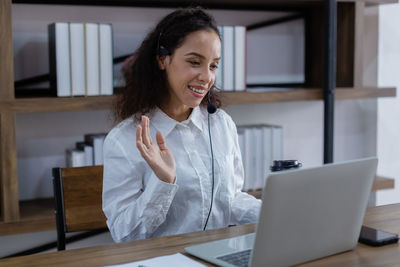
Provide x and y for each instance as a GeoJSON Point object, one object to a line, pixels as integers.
{"type": "Point", "coordinates": [384, 217]}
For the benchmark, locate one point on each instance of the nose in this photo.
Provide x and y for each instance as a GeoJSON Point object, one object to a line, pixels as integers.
{"type": "Point", "coordinates": [205, 75]}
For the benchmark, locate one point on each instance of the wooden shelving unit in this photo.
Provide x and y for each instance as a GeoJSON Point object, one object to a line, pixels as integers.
{"type": "Point", "coordinates": [15, 215]}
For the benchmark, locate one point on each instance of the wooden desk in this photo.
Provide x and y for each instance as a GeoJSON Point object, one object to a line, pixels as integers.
{"type": "Point", "coordinates": [384, 217]}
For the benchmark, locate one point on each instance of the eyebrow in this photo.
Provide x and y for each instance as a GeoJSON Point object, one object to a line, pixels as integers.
{"type": "Point", "coordinates": [199, 55]}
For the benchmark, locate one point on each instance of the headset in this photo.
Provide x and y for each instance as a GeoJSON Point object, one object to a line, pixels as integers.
{"type": "Point", "coordinates": [161, 51]}
{"type": "Point", "coordinates": [211, 109]}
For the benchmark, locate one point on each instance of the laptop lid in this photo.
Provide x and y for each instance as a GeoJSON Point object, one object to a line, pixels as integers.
{"type": "Point", "coordinates": [312, 213]}
{"type": "Point", "coordinates": [306, 214]}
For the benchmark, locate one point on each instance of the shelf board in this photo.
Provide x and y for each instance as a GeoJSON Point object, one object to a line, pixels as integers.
{"type": "Point", "coordinates": [380, 183]}
{"type": "Point", "coordinates": [304, 94]}
{"type": "Point", "coordinates": [38, 215]}
{"type": "Point", "coordinates": [57, 104]}
{"type": "Point", "coordinates": [214, 4]}
{"type": "Point", "coordinates": [35, 216]}
{"type": "Point", "coordinates": [61, 104]}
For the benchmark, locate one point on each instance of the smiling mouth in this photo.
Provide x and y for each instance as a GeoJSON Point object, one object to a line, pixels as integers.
{"type": "Point", "coordinates": [199, 91]}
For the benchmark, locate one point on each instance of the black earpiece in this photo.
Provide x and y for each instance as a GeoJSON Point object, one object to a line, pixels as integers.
{"type": "Point", "coordinates": [211, 108]}
{"type": "Point", "coordinates": [163, 51]}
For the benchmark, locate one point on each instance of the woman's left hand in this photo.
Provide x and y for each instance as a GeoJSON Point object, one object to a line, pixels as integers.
{"type": "Point", "coordinates": [158, 156]}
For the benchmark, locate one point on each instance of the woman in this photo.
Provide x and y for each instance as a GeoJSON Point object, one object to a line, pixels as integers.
{"type": "Point", "coordinates": [190, 177]}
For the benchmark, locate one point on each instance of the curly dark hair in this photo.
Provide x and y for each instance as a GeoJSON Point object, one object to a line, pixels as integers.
{"type": "Point", "coordinates": [145, 81]}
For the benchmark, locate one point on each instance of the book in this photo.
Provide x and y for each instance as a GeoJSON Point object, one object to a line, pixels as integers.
{"type": "Point", "coordinates": [259, 145]}
{"type": "Point", "coordinates": [267, 151]}
{"type": "Point", "coordinates": [88, 150]}
{"type": "Point", "coordinates": [92, 59]}
{"type": "Point", "coordinates": [96, 141]}
{"type": "Point", "coordinates": [75, 158]}
{"type": "Point", "coordinates": [259, 158]}
{"type": "Point", "coordinates": [249, 167]}
{"type": "Point", "coordinates": [240, 58]}
{"type": "Point", "coordinates": [59, 59]}
{"type": "Point", "coordinates": [277, 143]}
{"type": "Point", "coordinates": [106, 59]}
{"type": "Point", "coordinates": [77, 65]}
{"type": "Point", "coordinates": [228, 54]}
{"type": "Point", "coordinates": [219, 77]}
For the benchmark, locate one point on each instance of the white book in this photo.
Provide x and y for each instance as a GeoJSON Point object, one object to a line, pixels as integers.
{"type": "Point", "coordinates": [253, 159]}
{"type": "Point", "coordinates": [88, 155]}
{"type": "Point", "coordinates": [76, 158]}
{"type": "Point", "coordinates": [228, 53]}
{"type": "Point", "coordinates": [277, 143]}
{"type": "Point", "coordinates": [241, 144]}
{"type": "Point", "coordinates": [106, 59]}
{"type": "Point", "coordinates": [249, 167]}
{"type": "Point", "coordinates": [219, 74]}
{"type": "Point", "coordinates": [59, 56]}
{"type": "Point", "coordinates": [242, 149]}
{"type": "Point", "coordinates": [267, 149]}
{"type": "Point", "coordinates": [77, 59]}
{"type": "Point", "coordinates": [98, 150]}
{"type": "Point", "coordinates": [240, 58]}
{"type": "Point", "coordinates": [92, 59]}
{"type": "Point", "coordinates": [259, 158]}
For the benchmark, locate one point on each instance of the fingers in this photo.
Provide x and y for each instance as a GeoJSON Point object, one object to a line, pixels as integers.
{"type": "Point", "coordinates": [161, 141]}
{"type": "Point", "coordinates": [146, 131]}
{"type": "Point", "coordinates": [139, 141]}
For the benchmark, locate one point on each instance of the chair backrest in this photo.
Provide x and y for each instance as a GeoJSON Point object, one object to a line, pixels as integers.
{"type": "Point", "coordinates": [78, 199]}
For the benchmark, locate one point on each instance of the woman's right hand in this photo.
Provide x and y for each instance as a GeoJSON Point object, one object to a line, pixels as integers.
{"type": "Point", "coordinates": [158, 156]}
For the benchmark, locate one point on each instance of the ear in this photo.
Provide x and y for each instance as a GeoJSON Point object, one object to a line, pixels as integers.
{"type": "Point", "coordinates": [162, 62]}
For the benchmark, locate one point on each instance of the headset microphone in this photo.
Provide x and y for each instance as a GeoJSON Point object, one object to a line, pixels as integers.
{"type": "Point", "coordinates": [211, 108]}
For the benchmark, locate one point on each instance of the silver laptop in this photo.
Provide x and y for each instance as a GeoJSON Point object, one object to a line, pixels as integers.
{"type": "Point", "coordinates": [306, 214]}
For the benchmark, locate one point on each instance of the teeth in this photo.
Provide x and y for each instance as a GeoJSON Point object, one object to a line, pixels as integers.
{"type": "Point", "coordinates": [197, 90]}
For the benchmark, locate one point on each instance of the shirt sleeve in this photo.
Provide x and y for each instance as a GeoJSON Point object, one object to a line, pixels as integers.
{"type": "Point", "coordinates": [133, 210]}
{"type": "Point", "coordinates": [244, 208]}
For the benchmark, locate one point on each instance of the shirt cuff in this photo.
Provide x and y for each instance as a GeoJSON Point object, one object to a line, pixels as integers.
{"type": "Point", "coordinates": [158, 191]}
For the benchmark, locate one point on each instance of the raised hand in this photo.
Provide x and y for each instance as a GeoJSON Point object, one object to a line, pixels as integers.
{"type": "Point", "coordinates": [158, 156]}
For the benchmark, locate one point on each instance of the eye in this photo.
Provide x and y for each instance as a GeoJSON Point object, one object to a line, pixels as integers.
{"type": "Point", "coordinates": [214, 67]}
{"type": "Point", "coordinates": [194, 63]}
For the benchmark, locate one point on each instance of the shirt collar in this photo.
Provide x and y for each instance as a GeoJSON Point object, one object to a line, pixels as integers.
{"type": "Point", "coordinates": [163, 123]}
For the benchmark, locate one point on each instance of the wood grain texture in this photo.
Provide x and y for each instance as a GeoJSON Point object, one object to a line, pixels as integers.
{"type": "Point", "coordinates": [314, 44]}
{"type": "Point", "coordinates": [35, 216]}
{"type": "Point", "coordinates": [349, 45]}
{"type": "Point", "coordinates": [6, 52]}
{"type": "Point", "coordinates": [8, 169]}
{"type": "Point", "coordinates": [82, 193]}
{"type": "Point", "coordinates": [358, 24]}
{"type": "Point", "coordinates": [57, 104]}
{"type": "Point", "coordinates": [370, 92]}
{"type": "Point", "coordinates": [345, 46]}
{"type": "Point", "coordinates": [380, 183]}
{"type": "Point", "coordinates": [384, 217]}
{"type": "Point", "coordinates": [371, 2]}
{"type": "Point", "coordinates": [229, 98]}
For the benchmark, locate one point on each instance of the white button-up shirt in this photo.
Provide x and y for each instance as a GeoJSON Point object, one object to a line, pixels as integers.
{"type": "Point", "coordinates": [139, 205]}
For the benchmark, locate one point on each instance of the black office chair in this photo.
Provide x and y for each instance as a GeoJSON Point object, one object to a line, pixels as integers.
{"type": "Point", "coordinates": [78, 202]}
